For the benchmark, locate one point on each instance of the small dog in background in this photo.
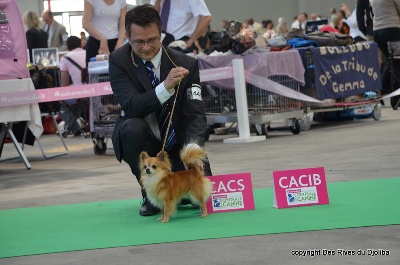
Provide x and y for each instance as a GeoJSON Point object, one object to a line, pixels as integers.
{"type": "Point", "coordinates": [165, 188]}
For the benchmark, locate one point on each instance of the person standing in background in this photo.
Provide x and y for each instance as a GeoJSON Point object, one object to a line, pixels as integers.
{"type": "Point", "coordinates": [104, 20]}
{"type": "Point", "coordinates": [35, 37]}
{"type": "Point", "coordinates": [386, 25]}
{"type": "Point", "coordinates": [351, 21]}
{"type": "Point", "coordinates": [72, 108]}
{"type": "Point", "coordinates": [83, 39]}
{"type": "Point", "coordinates": [364, 19]}
{"type": "Point", "coordinates": [186, 20]}
{"type": "Point", "coordinates": [57, 34]}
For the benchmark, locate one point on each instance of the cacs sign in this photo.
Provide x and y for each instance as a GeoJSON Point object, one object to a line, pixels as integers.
{"type": "Point", "coordinates": [232, 192]}
{"type": "Point", "coordinates": [300, 187]}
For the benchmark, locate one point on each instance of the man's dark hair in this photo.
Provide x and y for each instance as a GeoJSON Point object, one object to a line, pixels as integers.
{"type": "Point", "coordinates": [73, 42]}
{"type": "Point", "coordinates": [142, 16]}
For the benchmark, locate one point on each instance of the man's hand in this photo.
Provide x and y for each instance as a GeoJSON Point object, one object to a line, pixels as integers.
{"type": "Point", "coordinates": [174, 77]}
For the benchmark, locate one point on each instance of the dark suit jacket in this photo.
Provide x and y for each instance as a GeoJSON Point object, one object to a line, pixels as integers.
{"type": "Point", "coordinates": [59, 36]}
{"type": "Point", "coordinates": [35, 38]}
{"type": "Point", "coordinates": [133, 90]}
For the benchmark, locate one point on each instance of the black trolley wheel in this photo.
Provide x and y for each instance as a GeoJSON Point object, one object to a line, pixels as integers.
{"type": "Point", "coordinates": [295, 127]}
{"type": "Point", "coordinates": [101, 148]}
{"type": "Point", "coordinates": [260, 129]}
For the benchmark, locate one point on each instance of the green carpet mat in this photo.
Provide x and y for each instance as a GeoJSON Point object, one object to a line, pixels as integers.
{"type": "Point", "coordinates": [50, 229]}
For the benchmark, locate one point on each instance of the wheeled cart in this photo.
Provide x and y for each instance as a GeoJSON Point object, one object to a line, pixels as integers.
{"type": "Point", "coordinates": [366, 105]}
{"type": "Point", "coordinates": [264, 106]}
{"type": "Point", "coordinates": [104, 110]}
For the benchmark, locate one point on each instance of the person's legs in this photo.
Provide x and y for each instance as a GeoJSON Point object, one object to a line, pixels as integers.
{"type": "Point", "coordinates": [70, 120]}
{"type": "Point", "coordinates": [382, 37]}
{"type": "Point", "coordinates": [136, 136]}
{"type": "Point", "coordinates": [92, 48]}
{"type": "Point", "coordinates": [111, 44]}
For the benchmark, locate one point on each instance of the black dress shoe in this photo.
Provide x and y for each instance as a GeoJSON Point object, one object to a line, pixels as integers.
{"type": "Point", "coordinates": [148, 209]}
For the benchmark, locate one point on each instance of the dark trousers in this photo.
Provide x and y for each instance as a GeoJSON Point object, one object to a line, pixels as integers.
{"type": "Point", "coordinates": [136, 136]}
{"type": "Point", "coordinates": [381, 37]}
{"type": "Point", "coordinates": [93, 46]}
{"type": "Point", "coordinates": [71, 112]}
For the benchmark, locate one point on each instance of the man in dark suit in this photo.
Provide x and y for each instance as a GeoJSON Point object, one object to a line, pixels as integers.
{"type": "Point", "coordinates": [143, 100]}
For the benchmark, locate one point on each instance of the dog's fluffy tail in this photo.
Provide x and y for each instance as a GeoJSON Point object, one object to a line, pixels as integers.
{"type": "Point", "coordinates": [193, 155]}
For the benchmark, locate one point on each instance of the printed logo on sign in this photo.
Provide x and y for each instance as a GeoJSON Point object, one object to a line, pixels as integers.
{"type": "Point", "coordinates": [227, 201]}
{"type": "Point", "coordinates": [302, 196]}
{"type": "Point", "coordinates": [107, 88]}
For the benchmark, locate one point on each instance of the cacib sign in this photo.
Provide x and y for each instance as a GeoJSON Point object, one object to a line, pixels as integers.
{"type": "Point", "coordinates": [300, 187]}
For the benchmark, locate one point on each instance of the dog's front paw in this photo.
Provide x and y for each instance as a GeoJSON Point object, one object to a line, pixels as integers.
{"type": "Point", "coordinates": [165, 220]}
{"type": "Point", "coordinates": [203, 215]}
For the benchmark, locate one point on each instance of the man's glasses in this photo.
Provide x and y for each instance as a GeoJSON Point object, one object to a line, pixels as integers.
{"type": "Point", "coordinates": [141, 43]}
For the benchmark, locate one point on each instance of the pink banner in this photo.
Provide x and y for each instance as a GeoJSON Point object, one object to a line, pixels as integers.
{"type": "Point", "coordinates": [233, 192]}
{"type": "Point", "coordinates": [100, 89]}
{"type": "Point", "coordinates": [54, 94]}
{"type": "Point", "coordinates": [216, 74]}
{"type": "Point", "coordinates": [300, 187]}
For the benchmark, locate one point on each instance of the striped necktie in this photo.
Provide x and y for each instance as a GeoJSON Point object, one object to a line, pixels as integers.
{"type": "Point", "coordinates": [164, 115]}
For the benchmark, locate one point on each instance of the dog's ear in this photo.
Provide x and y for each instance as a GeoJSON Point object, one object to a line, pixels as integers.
{"type": "Point", "coordinates": [162, 156]}
{"type": "Point", "coordinates": [143, 155]}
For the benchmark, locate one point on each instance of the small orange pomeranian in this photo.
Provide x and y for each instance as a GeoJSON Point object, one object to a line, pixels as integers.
{"type": "Point", "coordinates": [165, 188]}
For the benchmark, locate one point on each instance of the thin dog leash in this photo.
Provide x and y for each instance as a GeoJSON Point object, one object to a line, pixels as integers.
{"type": "Point", "coordinates": [173, 105]}
{"type": "Point", "coordinates": [176, 95]}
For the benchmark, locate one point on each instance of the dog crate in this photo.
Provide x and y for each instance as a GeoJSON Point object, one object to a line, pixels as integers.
{"type": "Point", "coordinates": [104, 110]}
{"type": "Point", "coordinates": [264, 106]}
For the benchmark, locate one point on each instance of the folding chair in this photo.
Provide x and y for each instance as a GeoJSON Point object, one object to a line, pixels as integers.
{"type": "Point", "coordinates": [6, 128]}
{"type": "Point", "coordinates": [53, 116]}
